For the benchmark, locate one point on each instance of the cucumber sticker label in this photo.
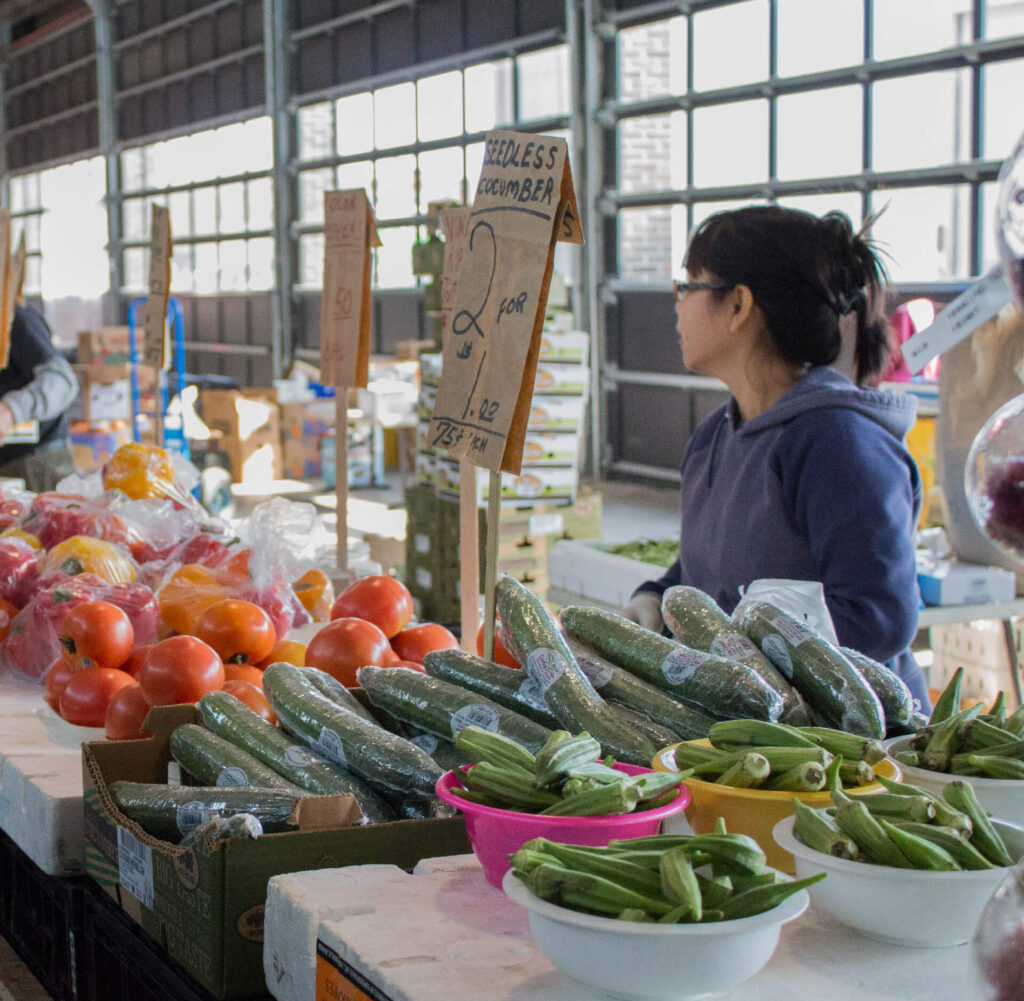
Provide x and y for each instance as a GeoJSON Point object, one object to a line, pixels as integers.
{"type": "Point", "coordinates": [299, 757]}
{"type": "Point", "coordinates": [733, 646]}
{"type": "Point", "coordinates": [774, 648]}
{"type": "Point", "coordinates": [530, 693]}
{"type": "Point", "coordinates": [680, 664]}
{"type": "Point", "coordinates": [597, 674]}
{"type": "Point", "coordinates": [545, 666]}
{"type": "Point", "coordinates": [794, 632]}
{"type": "Point", "coordinates": [188, 816]}
{"type": "Point", "coordinates": [330, 746]}
{"type": "Point", "coordinates": [231, 776]}
{"type": "Point", "coordinates": [475, 714]}
{"type": "Point", "coordinates": [426, 742]}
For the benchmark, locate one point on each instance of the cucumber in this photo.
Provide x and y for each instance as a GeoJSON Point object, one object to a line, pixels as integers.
{"type": "Point", "coordinates": [719, 687]}
{"type": "Point", "coordinates": [531, 635]}
{"type": "Point", "coordinates": [832, 687]}
{"type": "Point", "coordinates": [328, 685]}
{"type": "Point", "coordinates": [660, 736]}
{"type": "Point", "coordinates": [231, 719]}
{"type": "Point", "coordinates": [896, 698]}
{"type": "Point", "coordinates": [215, 761]}
{"type": "Point", "coordinates": [444, 752]}
{"type": "Point", "coordinates": [696, 621]}
{"type": "Point", "coordinates": [617, 685]}
{"type": "Point", "coordinates": [170, 812]}
{"type": "Point", "coordinates": [442, 708]}
{"type": "Point", "coordinates": [367, 750]}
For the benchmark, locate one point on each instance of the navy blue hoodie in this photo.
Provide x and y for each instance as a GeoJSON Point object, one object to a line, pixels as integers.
{"type": "Point", "coordinates": [819, 487]}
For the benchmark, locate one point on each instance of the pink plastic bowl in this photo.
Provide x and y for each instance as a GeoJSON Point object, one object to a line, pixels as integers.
{"type": "Point", "coordinates": [495, 834]}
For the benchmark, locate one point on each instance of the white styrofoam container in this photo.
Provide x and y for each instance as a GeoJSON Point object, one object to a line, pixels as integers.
{"type": "Point", "coordinates": [586, 569]}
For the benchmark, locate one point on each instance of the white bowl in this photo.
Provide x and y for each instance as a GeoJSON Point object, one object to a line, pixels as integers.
{"type": "Point", "coordinates": [903, 906]}
{"type": "Point", "coordinates": [646, 962]}
{"type": "Point", "coordinates": [1003, 798]}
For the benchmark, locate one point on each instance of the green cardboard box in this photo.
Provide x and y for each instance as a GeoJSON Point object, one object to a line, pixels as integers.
{"type": "Point", "coordinates": [204, 904]}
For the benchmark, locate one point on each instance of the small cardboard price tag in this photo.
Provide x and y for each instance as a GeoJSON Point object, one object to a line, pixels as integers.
{"type": "Point", "coordinates": [6, 287]}
{"type": "Point", "coordinates": [349, 232]}
{"type": "Point", "coordinates": [524, 203]}
{"type": "Point", "coordinates": [455, 227]}
{"type": "Point", "coordinates": [156, 342]}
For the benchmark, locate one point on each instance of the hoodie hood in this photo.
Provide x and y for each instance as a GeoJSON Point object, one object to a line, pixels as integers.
{"type": "Point", "coordinates": [824, 387]}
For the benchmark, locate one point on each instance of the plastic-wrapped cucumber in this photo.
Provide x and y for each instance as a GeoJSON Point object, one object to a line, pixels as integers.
{"type": "Point", "coordinates": [532, 636]}
{"type": "Point", "coordinates": [896, 698]}
{"type": "Point", "coordinates": [229, 718]}
{"type": "Point", "coordinates": [722, 688]}
{"type": "Point", "coordinates": [170, 812]}
{"type": "Point", "coordinates": [615, 684]}
{"type": "Point", "coordinates": [367, 750]}
{"type": "Point", "coordinates": [215, 761]}
{"type": "Point", "coordinates": [829, 683]}
{"type": "Point", "coordinates": [444, 752]}
{"type": "Point", "coordinates": [443, 708]}
{"type": "Point", "coordinates": [696, 620]}
{"type": "Point", "coordinates": [328, 685]}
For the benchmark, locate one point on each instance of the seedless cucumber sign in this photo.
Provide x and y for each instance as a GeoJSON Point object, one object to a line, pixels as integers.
{"type": "Point", "coordinates": [524, 203]}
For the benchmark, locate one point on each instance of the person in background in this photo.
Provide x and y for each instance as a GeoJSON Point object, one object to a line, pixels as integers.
{"type": "Point", "coordinates": [37, 385]}
{"type": "Point", "coordinates": [803, 474]}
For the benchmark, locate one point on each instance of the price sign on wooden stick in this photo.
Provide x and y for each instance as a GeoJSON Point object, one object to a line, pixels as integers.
{"type": "Point", "coordinates": [349, 232]}
{"type": "Point", "coordinates": [6, 287]}
{"type": "Point", "coordinates": [524, 203]}
{"type": "Point", "coordinates": [18, 264]}
{"type": "Point", "coordinates": [156, 347]}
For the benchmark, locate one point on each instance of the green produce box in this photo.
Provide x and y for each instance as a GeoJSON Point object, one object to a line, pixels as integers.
{"type": "Point", "coordinates": [204, 904]}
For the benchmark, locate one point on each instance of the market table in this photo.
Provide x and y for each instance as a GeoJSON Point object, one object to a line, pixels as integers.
{"type": "Point", "coordinates": [443, 933]}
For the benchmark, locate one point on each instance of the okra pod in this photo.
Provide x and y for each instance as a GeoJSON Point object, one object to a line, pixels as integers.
{"type": "Point", "coordinates": [601, 802]}
{"type": "Point", "coordinates": [849, 745]}
{"type": "Point", "coordinates": [509, 784]}
{"type": "Point", "coordinates": [856, 822]}
{"type": "Point", "coordinates": [764, 898]}
{"type": "Point", "coordinates": [911, 758]}
{"type": "Point", "coordinates": [555, 759]}
{"type": "Point", "coordinates": [495, 748]}
{"type": "Point", "coordinates": [808, 777]}
{"type": "Point", "coordinates": [961, 796]}
{"type": "Point", "coordinates": [679, 884]}
{"type": "Point", "coordinates": [747, 773]}
{"type": "Point", "coordinates": [819, 831]}
{"type": "Point", "coordinates": [589, 892]}
{"type": "Point", "coordinates": [997, 767]}
{"type": "Point", "coordinates": [945, 815]}
{"type": "Point", "coordinates": [608, 866]}
{"type": "Point", "coordinates": [966, 855]}
{"type": "Point", "coordinates": [998, 709]}
{"type": "Point", "coordinates": [737, 852]}
{"type": "Point", "coordinates": [919, 852]}
{"type": "Point", "coordinates": [949, 701]}
{"type": "Point", "coordinates": [1015, 722]}
{"type": "Point", "coordinates": [978, 734]}
{"type": "Point", "coordinates": [714, 890]}
{"type": "Point", "coordinates": [856, 773]}
{"type": "Point", "coordinates": [756, 733]}
{"type": "Point", "coordinates": [917, 808]}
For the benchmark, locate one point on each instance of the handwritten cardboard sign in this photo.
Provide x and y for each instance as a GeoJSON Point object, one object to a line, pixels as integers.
{"type": "Point", "coordinates": [6, 289]}
{"type": "Point", "coordinates": [18, 264]}
{"type": "Point", "coordinates": [349, 232]}
{"type": "Point", "coordinates": [455, 227]}
{"type": "Point", "coordinates": [156, 341]}
{"type": "Point", "coordinates": [524, 203]}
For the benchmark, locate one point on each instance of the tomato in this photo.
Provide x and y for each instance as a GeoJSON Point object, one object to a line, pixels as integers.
{"type": "Point", "coordinates": [180, 669]}
{"type": "Point", "coordinates": [253, 697]}
{"type": "Point", "coordinates": [289, 651]}
{"type": "Point", "coordinates": [416, 642]}
{"type": "Point", "coordinates": [56, 678]}
{"type": "Point", "coordinates": [97, 634]}
{"type": "Point", "coordinates": [239, 631]}
{"type": "Point", "coordinates": [501, 654]}
{"type": "Point", "coordinates": [126, 712]}
{"type": "Point", "coordinates": [316, 592]}
{"type": "Point", "coordinates": [84, 554]}
{"type": "Point", "coordinates": [244, 672]}
{"type": "Point", "coordinates": [410, 664]}
{"type": "Point", "coordinates": [87, 694]}
{"type": "Point", "coordinates": [136, 659]}
{"type": "Point", "coordinates": [7, 613]}
{"type": "Point", "coordinates": [140, 471]}
{"type": "Point", "coordinates": [382, 600]}
{"type": "Point", "coordinates": [346, 644]}
{"type": "Point", "coordinates": [189, 592]}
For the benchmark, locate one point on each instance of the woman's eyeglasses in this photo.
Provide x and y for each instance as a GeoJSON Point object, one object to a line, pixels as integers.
{"type": "Point", "coordinates": [681, 288]}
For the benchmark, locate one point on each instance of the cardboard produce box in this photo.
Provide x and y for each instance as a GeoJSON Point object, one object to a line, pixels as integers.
{"type": "Point", "coordinates": [204, 904]}
{"type": "Point", "coordinates": [240, 414]}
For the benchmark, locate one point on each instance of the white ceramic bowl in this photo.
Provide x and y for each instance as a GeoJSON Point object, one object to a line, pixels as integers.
{"type": "Point", "coordinates": [650, 962]}
{"type": "Point", "coordinates": [901, 906]}
{"type": "Point", "coordinates": [1002, 798]}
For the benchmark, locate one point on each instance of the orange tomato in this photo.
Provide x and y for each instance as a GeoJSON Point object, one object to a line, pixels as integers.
{"type": "Point", "coordinates": [136, 659]}
{"type": "Point", "coordinates": [140, 471]}
{"type": "Point", "coordinates": [416, 642]}
{"type": "Point", "coordinates": [243, 672]}
{"type": "Point", "coordinates": [384, 601]}
{"type": "Point", "coordinates": [289, 651]}
{"type": "Point", "coordinates": [248, 694]}
{"type": "Point", "coordinates": [84, 554]}
{"type": "Point", "coordinates": [56, 678]}
{"type": "Point", "coordinates": [239, 631]}
{"type": "Point", "coordinates": [189, 592]}
{"type": "Point", "coordinates": [97, 634]}
{"type": "Point", "coordinates": [126, 712]}
{"type": "Point", "coordinates": [316, 593]}
{"type": "Point", "coordinates": [88, 692]}
{"type": "Point", "coordinates": [18, 533]}
{"type": "Point", "coordinates": [345, 645]}
{"type": "Point", "coordinates": [501, 654]}
{"type": "Point", "coordinates": [180, 669]}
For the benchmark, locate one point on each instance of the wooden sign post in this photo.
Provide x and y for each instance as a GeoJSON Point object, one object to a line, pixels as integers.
{"type": "Point", "coordinates": [524, 203]}
{"type": "Point", "coordinates": [18, 264]}
{"type": "Point", "coordinates": [156, 346]}
{"type": "Point", "coordinates": [6, 287]}
{"type": "Point", "coordinates": [349, 232]}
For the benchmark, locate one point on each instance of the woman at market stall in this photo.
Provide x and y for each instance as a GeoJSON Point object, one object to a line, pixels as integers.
{"type": "Point", "coordinates": [803, 474]}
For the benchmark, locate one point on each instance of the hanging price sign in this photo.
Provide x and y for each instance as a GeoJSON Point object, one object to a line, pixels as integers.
{"type": "Point", "coordinates": [156, 346]}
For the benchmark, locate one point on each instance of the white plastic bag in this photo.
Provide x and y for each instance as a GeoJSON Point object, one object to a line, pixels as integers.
{"type": "Point", "coordinates": [803, 599]}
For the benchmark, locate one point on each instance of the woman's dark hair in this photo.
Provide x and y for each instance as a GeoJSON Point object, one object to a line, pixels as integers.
{"type": "Point", "coordinates": [804, 273]}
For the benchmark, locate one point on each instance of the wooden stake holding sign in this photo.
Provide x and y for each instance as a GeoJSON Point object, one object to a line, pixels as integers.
{"type": "Point", "coordinates": [6, 287]}
{"type": "Point", "coordinates": [18, 263]}
{"type": "Point", "coordinates": [349, 232]}
{"type": "Point", "coordinates": [524, 203]}
{"type": "Point", "coordinates": [156, 342]}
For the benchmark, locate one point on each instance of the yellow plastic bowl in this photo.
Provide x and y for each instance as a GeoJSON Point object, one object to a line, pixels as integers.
{"type": "Point", "coordinates": [753, 811]}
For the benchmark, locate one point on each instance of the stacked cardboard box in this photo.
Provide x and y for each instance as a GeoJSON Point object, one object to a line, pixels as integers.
{"type": "Point", "coordinates": [93, 444]}
{"type": "Point", "coordinates": [247, 429]}
{"type": "Point", "coordinates": [104, 367]}
{"type": "Point", "coordinates": [303, 427]}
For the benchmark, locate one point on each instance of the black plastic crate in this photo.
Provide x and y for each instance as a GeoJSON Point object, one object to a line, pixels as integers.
{"type": "Point", "coordinates": [41, 917]}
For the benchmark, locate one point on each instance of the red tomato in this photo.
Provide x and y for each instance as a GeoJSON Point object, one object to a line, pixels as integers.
{"type": "Point", "coordinates": [87, 694]}
{"type": "Point", "coordinates": [7, 613]}
{"type": "Point", "coordinates": [384, 601]}
{"type": "Point", "coordinates": [126, 713]}
{"type": "Point", "coordinates": [501, 654]}
{"type": "Point", "coordinates": [346, 644]}
{"type": "Point", "coordinates": [253, 697]}
{"type": "Point", "coordinates": [56, 678]}
{"type": "Point", "coordinates": [416, 642]}
{"type": "Point", "coordinates": [180, 669]}
{"type": "Point", "coordinates": [137, 658]}
{"type": "Point", "coordinates": [290, 651]}
{"type": "Point", "coordinates": [243, 672]}
{"type": "Point", "coordinates": [240, 632]}
{"type": "Point", "coordinates": [411, 664]}
{"type": "Point", "coordinates": [97, 634]}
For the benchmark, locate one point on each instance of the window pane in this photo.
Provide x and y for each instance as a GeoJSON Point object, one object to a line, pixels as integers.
{"type": "Point", "coordinates": [261, 263]}
{"type": "Point", "coordinates": [132, 170]}
{"type": "Point", "coordinates": [439, 106]}
{"type": "Point", "coordinates": [394, 115]}
{"type": "Point", "coordinates": [394, 257]}
{"type": "Point", "coordinates": [33, 276]}
{"type": "Point", "coordinates": [355, 124]}
{"type": "Point", "coordinates": [905, 27]}
{"type": "Point", "coordinates": [474, 165]}
{"type": "Point", "coordinates": [232, 265]}
{"type": "Point", "coordinates": [204, 209]}
{"type": "Point", "coordinates": [260, 194]}
{"type": "Point", "coordinates": [1003, 18]}
{"type": "Point", "coordinates": [136, 272]}
{"type": "Point", "coordinates": [240, 149]}
{"type": "Point", "coordinates": [730, 45]}
{"type": "Point", "coordinates": [316, 131]}
{"type": "Point", "coordinates": [544, 89]}
{"type": "Point", "coordinates": [232, 208]}
{"type": "Point", "coordinates": [182, 274]}
{"type": "Point", "coordinates": [206, 151]}
{"type": "Point", "coordinates": [312, 185]}
{"type": "Point", "coordinates": [652, 152]}
{"type": "Point", "coordinates": [989, 192]}
{"type": "Point", "coordinates": [925, 232]}
{"type": "Point", "coordinates": [311, 260]}
{"type": "Point", "coordinates": [819, 133]}
{"type": "Point", "coordinates": [1003, 121]}
{"type": "Point", "coordinates": [257, 137]}
{"type": "Point", "coordinates": [815, 36]}
{"type": "Point", "coordinates": [936, 134]}
{"type": "Point", "coordinates": [177, 160]}
{"type": "Point", "coordinates": [134, 219]}
{"type": "Point", "coordinates": [180, 205]}
{"type": "Point", "coordinates": [846, 201]}
{"type": "Point", "coordinates": [33, 229]}
{"type": "Point", "coordinates": [645, 244]}
{"type": "Point", "coordinates": [440, 176]}
{"type": "Point", "coordinates": [16, 192]}
{"type": "Point", "coordinates": [207, 268]}
{"type": "Point", "coordinates": [396, 187]}
{"type": "Point", "coordinates": [730, 144]}
{"type": "Point", "coordinates": [354, 175]}
{"type": "Point", "coordinates": [652, 60]}
{"type": "Point", "coordinates": [701, 210]}
{"type": "Point", "coordinates": [488, 92]}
